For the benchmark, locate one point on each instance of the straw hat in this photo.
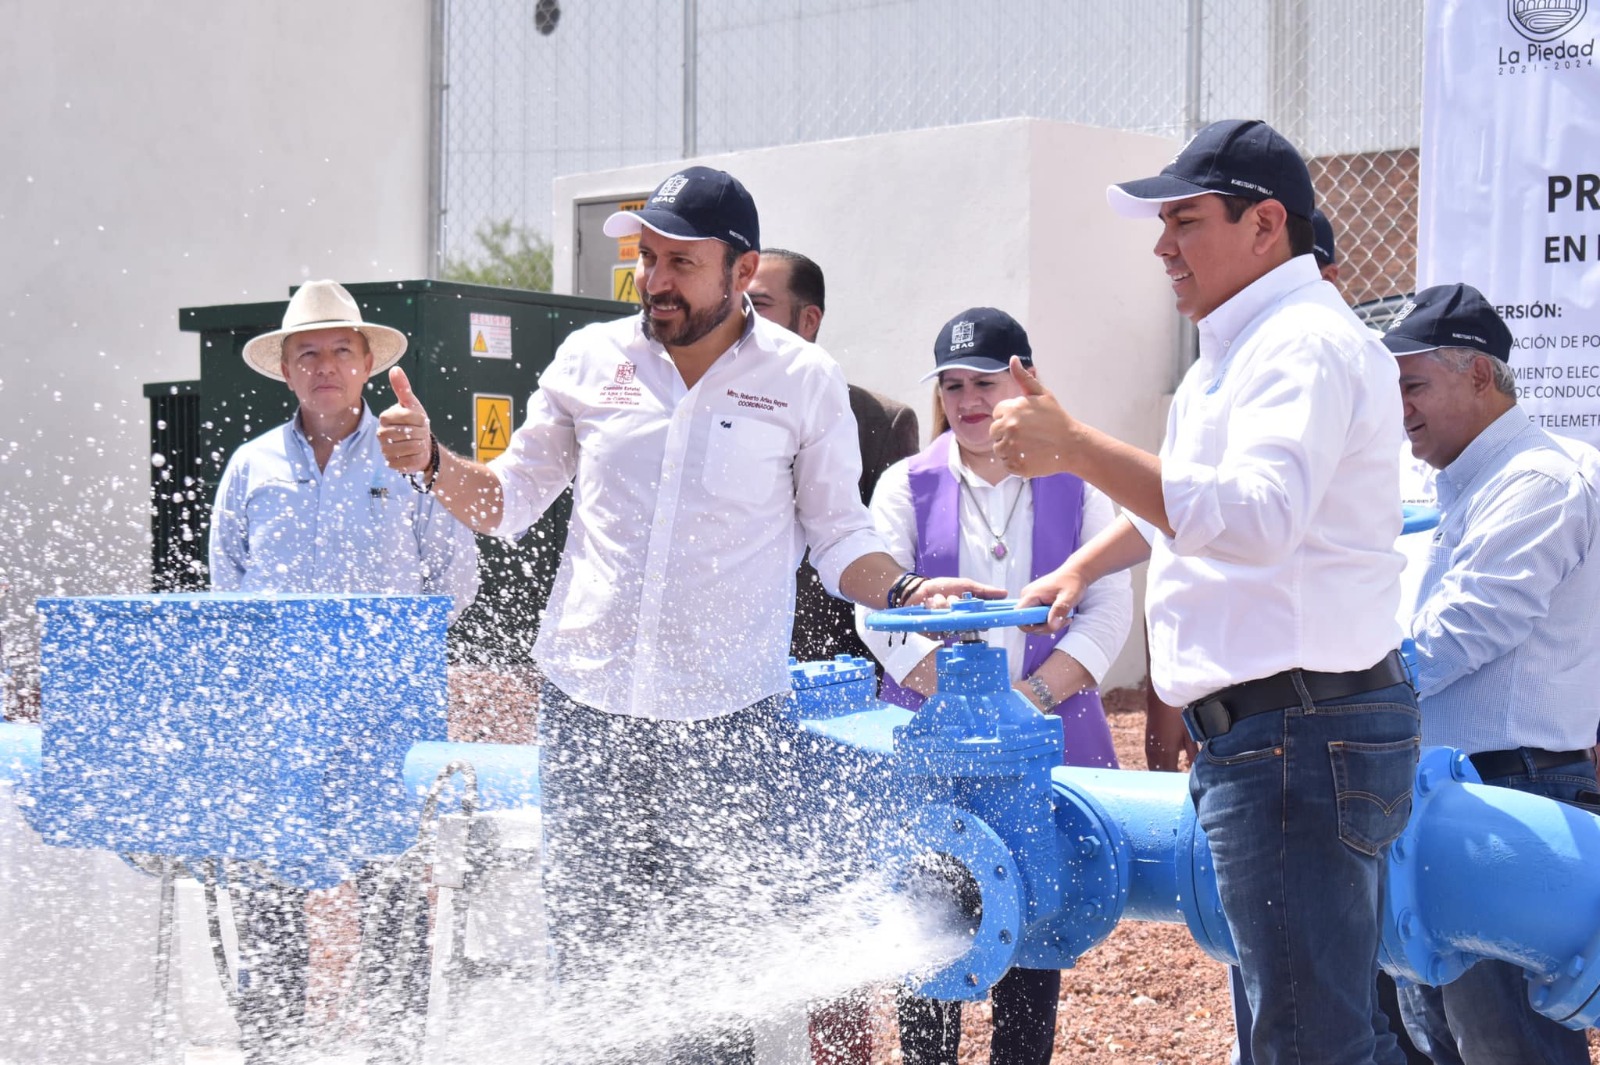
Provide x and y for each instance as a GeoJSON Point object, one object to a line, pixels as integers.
{"type": "Point", "coordinates": [323, 305]}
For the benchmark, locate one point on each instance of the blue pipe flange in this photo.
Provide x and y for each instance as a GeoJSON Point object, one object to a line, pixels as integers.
{"type": "Point", "coordinates": [1572, 996]}
{"type": "Point", "coordinates": [959, 852]}
{"type": "Point", "coordinates": [1409, 949]}
{"type": "Point", "coordinates": [1198, 899]}
{"type": "Point", "coordinates": [1094, 883]}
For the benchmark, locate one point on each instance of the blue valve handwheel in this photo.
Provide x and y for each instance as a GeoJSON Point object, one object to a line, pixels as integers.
{"type": "Point", "coordinates": [964, 615]}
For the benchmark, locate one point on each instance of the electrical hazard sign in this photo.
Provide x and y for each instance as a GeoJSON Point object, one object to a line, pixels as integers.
{"type": "Point", "coordinates": [491, 336]}
{"type": "Point", "coordinates": [622, 286]}
{"type": "Point", "coordinates": [491, 425]}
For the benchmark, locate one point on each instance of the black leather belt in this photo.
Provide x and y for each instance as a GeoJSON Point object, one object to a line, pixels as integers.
{"type": "Point", "coordinates": [1513, 762]}
{"type": "Point", "coordinates": [1218, 712]}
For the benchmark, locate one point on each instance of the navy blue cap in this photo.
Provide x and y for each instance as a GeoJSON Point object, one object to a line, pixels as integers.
{"type": "Point", "coordinates": [1237, 157]}
{"type": "Point", "coordinates": [981, 339]}
{"type": "Point", "coordinates": [1449, 316]}
{"type": "Point", "coordinates": [1322, 240]}
{"type": "Point", "coordinates": [695, 204]}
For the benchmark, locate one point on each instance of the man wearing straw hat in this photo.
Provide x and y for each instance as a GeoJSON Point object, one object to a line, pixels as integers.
{"type": "Point", "coordinates": [311, 506]}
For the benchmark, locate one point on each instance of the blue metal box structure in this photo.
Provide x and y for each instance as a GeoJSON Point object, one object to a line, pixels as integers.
{"type": "Point", "coordinates": [264, 728]}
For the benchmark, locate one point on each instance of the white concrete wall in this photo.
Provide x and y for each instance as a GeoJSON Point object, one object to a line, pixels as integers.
{"type": "Point", "coordinates": [911, 228]}
{"type": "Point", "coordinates": [167, 153]}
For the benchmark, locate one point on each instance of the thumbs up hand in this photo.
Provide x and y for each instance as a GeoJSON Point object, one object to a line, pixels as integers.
{"type": "Point", "coordinates": [1032, 434]}
{"type": "Point", "coordinates": [403, 430]}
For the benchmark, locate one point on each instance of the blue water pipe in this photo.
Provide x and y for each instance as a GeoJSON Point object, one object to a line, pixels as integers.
{"type": "Point", "coordinates": [1045, 859]}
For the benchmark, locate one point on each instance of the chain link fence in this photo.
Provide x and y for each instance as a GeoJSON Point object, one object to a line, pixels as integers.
{"type": "Point", "coordinates": [539, 88]}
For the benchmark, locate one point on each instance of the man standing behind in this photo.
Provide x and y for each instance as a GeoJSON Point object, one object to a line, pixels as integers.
{"type": "Point", "coordinates": [1507, 634]}
{"type": "Point", "coordinates": [705, 446]}
{"type": "Point", "coordinates": [311, 507]}
{"type": "Point", "coordinates": [789, 289]}
{"type": "Point", "coordinates": [1269, 520]}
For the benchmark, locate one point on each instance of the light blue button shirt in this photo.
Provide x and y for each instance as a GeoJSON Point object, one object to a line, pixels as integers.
{"type": "Point", "coordinates": [1508, 616]}
{"type": "Point", "coordinates": [282, 525]}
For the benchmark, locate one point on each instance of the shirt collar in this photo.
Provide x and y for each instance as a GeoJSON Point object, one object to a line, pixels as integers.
{"type": "Point", "coordinates": [1219, 329]}
{"type": "Point", "coordinates": [366, 425]}
{"type": "Point", "coordinates": [1457, 477]}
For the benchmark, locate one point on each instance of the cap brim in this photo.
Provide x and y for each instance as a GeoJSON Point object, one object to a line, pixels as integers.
{"type": "Point", "coordinates": [1406, 346]}
{"type": "Point", "coordinates": [264, 354]}
{"type": "Point", "coordinates": [971, 362]}
{"type": "Point", "coordinates": [1143, 198]}
{"type": "Point", "coordinates": [628, 224]}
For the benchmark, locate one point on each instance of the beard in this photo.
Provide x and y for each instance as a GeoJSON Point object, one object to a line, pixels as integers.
{"type": "Point", "coordinates": [696, 324]}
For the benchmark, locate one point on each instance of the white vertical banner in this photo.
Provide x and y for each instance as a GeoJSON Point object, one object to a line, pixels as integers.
{"type": "Point", "coordinates": [1509, 197]}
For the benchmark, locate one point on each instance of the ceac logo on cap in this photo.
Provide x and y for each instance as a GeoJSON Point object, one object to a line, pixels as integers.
{"type": "Point", "coordinates": [960, 335]}
{"type": "Point", "coordinates": [668, 192]}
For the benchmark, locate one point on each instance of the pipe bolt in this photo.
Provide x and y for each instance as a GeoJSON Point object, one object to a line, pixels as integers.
{"type": "Point", "coordinates": [1005, 936]}
{"type": "Point", "coordinates": [1408, 924]}
{"type": "Point", "coordinates": [972, 979]}
{"type": "Point", "coordinates": [1089, 846]}
{"type": "Point", "coordinates": [1000, 872]}
{"type": "Point", "coordinates": [1400, 850]}
{"type": "Point", "coordinates": [1458, 766]}
{"type": "Point", "coordinates": [1425, 781]}
{"type": "Point", "coordinates": [1541, 998]}
{"type": "Point", "coordinates": [1575, 966]}
{"type": "Point", "coordinates": [958, 825]}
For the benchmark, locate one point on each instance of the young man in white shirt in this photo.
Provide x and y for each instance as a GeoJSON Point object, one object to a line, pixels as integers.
{"type": "Point", "coordinates": [706, 448]}
{"type": "Point", "coordinates": [1269, 519]}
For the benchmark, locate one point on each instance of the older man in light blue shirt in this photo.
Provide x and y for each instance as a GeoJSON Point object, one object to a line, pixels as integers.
{"type": "Point", "coordinates": [1506, 625]}
{"type": "Point", "coordinates": [311, 506]}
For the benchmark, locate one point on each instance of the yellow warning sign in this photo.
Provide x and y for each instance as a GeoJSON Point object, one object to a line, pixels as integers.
{"type": "Point", "coordinates": [628, 247]}
{"type": "Point", "coordinates": [479, 345]}
{"type": "Point", "coordinates": [491, 421]}
{"type": "Point", "coordinates": [622, 286]}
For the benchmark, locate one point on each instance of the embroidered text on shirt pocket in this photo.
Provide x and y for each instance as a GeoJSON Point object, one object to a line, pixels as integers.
{"type": "Point", "coordinates": [746, 458]}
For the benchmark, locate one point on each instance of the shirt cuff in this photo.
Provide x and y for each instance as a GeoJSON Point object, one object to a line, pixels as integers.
{"type": "Point", "coordinates": [1087, 652]}
{"type": "Point", "coordinates": [512, 511]}
{"type": "Point", "coordinates": [1190, 492]}
{"type": "Point", "coordinates": [832, 563]}
{"type": "Point", "coordinates": [903, 656]}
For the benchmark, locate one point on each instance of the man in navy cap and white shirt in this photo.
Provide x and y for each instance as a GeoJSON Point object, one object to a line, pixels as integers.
{"type": "Point", "coordinates": [707, 447]}
{"type": "Point", "coordinates": [1507, 635]}
{"type": "Point", "coordinates": [1269, 519]}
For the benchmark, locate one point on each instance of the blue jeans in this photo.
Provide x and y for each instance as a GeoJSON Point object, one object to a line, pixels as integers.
{"type": "Point", "coordinates": [659, 839]}
{"type": "Point", "coordinates": [1483, 1017]}
{"type": "Point", "coordinates": [1300, 806]}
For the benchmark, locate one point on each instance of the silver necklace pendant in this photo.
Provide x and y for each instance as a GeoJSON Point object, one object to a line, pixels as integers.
{"type": "Point", "coordinates": [1000, 549]}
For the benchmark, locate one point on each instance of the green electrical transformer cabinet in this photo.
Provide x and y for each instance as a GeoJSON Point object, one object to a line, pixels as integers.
{"type": "Point", "coordinates": [474, 357]}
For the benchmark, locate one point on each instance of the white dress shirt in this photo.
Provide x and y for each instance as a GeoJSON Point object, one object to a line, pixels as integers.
{"type": "Point", "coordinates": [691, 510]}
{"type": "Point", "coordinates": [1100, 626]}
{"type": "Point", "coordinates": [1507, 630]}
{"type": "Point", "coordinates": [1281, 480]}
{"type": "Point", "coordinates": [280, 524]}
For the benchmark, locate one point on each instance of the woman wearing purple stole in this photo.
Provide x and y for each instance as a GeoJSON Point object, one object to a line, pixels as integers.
{"type": "Point", "coordinates": [952, 509]}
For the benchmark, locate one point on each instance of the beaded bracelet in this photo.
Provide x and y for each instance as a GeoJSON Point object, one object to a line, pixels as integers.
{"type": "Point", "coordinates": [426, 488]}
{"type": "Point", "coordinates": [902, 589]}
